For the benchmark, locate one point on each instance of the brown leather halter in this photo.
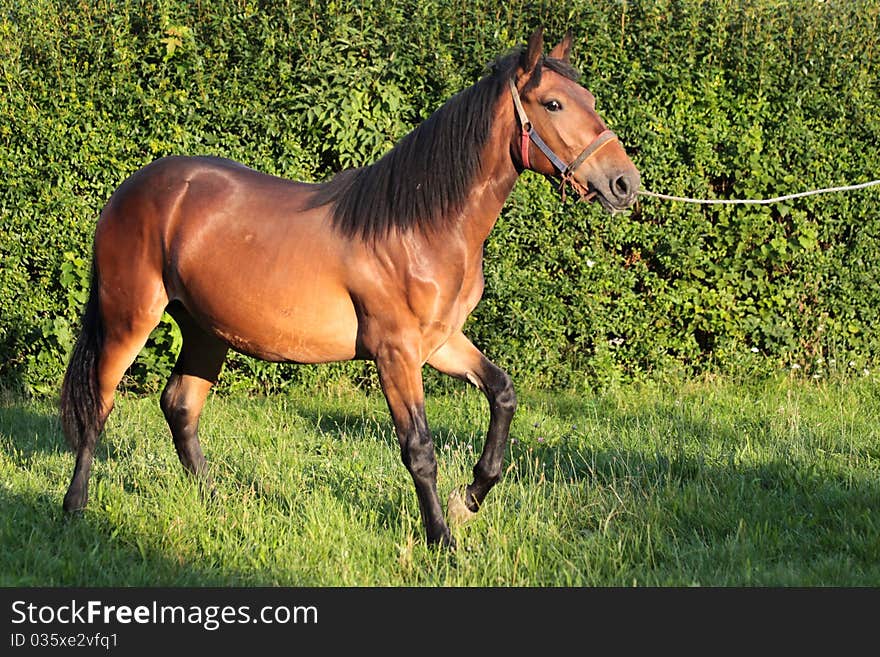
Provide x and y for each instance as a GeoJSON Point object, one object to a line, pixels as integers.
{"type": "Point", "coordinates": [566, 171]}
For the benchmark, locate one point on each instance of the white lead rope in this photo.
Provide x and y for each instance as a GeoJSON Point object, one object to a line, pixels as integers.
{"type": "Point", "coordinates": [761, 201]}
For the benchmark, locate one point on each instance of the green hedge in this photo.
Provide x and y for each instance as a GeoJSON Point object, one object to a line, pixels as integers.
{"type": "Point", "coordinates": [713, 99]}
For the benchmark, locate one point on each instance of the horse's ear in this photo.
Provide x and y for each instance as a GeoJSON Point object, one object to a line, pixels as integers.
{"type": "Point", "coordinates": [562, 49]}
{"type": "Point", "coordinates": [533, 51]}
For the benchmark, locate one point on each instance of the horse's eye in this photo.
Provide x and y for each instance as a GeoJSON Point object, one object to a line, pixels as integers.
{"type": "Point", "coordinates": [553, 106]}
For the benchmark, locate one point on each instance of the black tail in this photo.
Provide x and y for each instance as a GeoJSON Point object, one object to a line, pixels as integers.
{"type": "Point", "coordinates": [80, 398]}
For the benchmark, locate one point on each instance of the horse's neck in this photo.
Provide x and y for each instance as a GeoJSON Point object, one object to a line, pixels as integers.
{"type": "Point", "coordinates": [490, 190]}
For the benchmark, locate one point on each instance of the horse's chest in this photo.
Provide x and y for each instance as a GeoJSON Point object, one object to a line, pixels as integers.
{"type": "Point", "coordinates": [424, 299]}
{"type": "Point", "coordinates": [446, 301]}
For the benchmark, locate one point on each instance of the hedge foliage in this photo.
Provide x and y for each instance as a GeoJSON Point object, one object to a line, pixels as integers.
{"type": "Point", "coordinates": [714, 99]}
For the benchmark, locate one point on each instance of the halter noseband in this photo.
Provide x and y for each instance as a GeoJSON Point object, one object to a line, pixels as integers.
{"type": "Point", "coordinates": [566, 171]}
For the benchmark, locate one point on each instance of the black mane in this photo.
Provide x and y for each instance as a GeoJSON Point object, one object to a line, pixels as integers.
{"type": "Point", "coordinates": [426, 177]}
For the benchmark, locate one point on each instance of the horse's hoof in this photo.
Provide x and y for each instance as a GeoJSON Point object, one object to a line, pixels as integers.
{"type": "Point", "coordinates": [74, 502]}
{"type": "Point", "coordinates": [442, 541]}
{"type": "Point", "coordinates": [208, 491]}
{"type": "Point", "coordinates": [457, 512]}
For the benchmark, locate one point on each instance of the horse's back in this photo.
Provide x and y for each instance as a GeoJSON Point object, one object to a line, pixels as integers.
{"type": "Point", "coordinates": [206, 181]}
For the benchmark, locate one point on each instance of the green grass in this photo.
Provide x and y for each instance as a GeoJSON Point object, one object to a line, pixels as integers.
{"type": "Point", "coordinates": [708, 483]}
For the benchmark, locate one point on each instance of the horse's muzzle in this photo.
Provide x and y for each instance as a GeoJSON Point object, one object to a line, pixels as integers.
{"type": "Point", "coordinates": [617, 192]}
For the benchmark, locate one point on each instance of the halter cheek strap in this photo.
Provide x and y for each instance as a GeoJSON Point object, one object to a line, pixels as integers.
{"type": "Point", "coordinates": [566, 171]}
{"type": "Point", "coordinates": [524, 146]}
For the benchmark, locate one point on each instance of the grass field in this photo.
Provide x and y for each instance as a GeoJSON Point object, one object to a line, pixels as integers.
{"type": "Point", "coordinates": [710, 483]}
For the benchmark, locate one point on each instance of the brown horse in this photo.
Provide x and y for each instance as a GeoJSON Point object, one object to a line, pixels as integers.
{"type": "Point", "coordinates": [381, 263]}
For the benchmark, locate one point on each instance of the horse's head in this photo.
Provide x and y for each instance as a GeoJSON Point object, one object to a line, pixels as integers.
{"type": "Point", "coordinates": [559, 133]}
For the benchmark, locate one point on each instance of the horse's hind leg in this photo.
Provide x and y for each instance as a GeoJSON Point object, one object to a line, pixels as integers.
{"type": "Point", "coordinates": [198, 366]}
{"type": "Point", "coordinates": [461, 359]}
{"type": "Point", "coordinates": [105, 349]}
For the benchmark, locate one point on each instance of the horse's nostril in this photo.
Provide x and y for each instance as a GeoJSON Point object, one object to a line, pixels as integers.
{"type": "Point", "coordinates": [621, 186]}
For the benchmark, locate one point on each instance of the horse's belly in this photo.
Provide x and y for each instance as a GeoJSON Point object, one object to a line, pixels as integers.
{"type": "Point", "coordinates": [292, 336]}
{"type": "Point", "coordinates": [300, 322]}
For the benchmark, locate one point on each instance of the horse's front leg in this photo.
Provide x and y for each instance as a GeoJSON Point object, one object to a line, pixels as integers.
{"type": "Point", "coordinates": [400, 375]}
{"type": "Point", "coordinates": [458, 357]}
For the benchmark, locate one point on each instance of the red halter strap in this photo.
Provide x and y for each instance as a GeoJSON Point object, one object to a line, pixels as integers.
{"type": "Point", "coordinates": [524, 146]}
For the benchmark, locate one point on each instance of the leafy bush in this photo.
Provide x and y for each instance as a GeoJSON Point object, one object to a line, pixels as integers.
{"type": "Point", "coordinates": [713, 99]}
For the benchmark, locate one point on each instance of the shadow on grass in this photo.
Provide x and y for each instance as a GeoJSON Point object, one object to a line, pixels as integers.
{"type": "Point", "coordinates": [42, 546]}
{"type": "Point", "coordinates": [379, 426]}
{"type": "Point", "coordinates": [34, 429]}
